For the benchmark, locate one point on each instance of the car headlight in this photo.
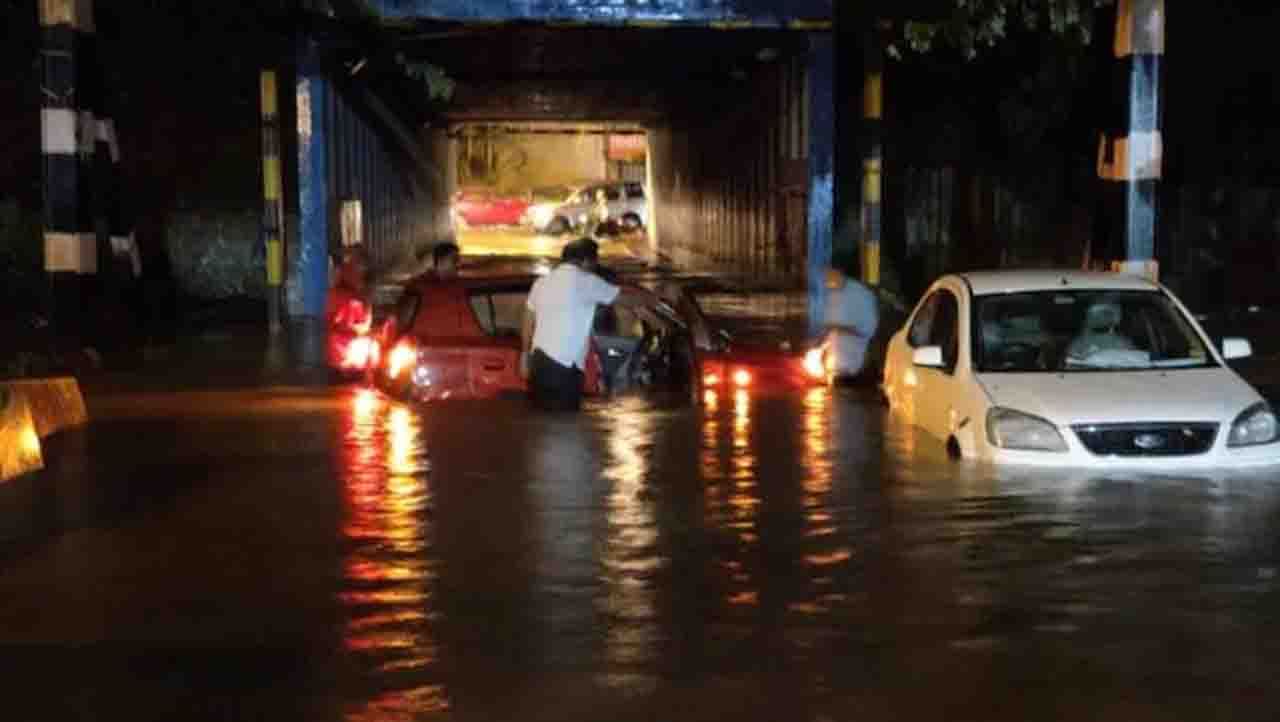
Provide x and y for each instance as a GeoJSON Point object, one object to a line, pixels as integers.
{"type": "Point", "coordinates": [1009, 429]}
{"type": "Point", "coordinates": [542, 215]}
{"type": "Point", "coordinates": [1255, 425]}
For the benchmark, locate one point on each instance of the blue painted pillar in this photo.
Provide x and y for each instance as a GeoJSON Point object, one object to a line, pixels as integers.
{"type": "Point", "coordinates": [822, 131]}
{"type": "Point", "coordinates": [313, 181]}
{"type": "Point", "coordinates": [1130, 155]}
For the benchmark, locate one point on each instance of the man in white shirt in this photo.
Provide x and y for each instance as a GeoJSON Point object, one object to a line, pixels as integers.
{"type": "Point", "coordinates": [851, 318]}
{"type": "Point", "coordinates": [557, 326]}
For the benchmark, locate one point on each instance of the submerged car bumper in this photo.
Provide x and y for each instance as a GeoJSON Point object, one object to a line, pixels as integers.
{"type": "Point", "coordinates": [1219, 456]}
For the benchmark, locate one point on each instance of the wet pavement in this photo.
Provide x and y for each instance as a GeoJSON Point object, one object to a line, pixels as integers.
{"type": "Point", "coordinates": [322, 553]}
{"type": "Point", "coordinates": [238, 542]}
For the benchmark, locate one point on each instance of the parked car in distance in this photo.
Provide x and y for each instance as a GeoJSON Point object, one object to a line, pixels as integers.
{"type": "Point", "coordinates": [485, 207]}
{"type": "Point", "coordinates": [1072, 368]}
{"type": "Point", "coordinates": [543, 202]}
{"type": "Point", "coordinates": [626, 200]}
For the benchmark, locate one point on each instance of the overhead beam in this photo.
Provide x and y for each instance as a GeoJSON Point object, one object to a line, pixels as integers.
{"type": "Point", "coordinates": [727, 14]}
{"type": "Point", "coordinates": [808, 15]}
{"type": "Point", "coordinates": [549, 100]}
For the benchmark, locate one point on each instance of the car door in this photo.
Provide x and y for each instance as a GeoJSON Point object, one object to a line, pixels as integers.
{"type": "Point", "coordinates": [493, 367]}
{"type": "Point", "coordinates": [936, 388]}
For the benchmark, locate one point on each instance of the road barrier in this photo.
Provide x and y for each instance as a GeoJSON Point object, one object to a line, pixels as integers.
{"type": "Point", "coordinates": [31, 410]}
{"type": "Point", "coordinates": [19, 442]}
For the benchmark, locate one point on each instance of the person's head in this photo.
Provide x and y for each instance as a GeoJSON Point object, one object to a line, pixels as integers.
{"type": "Point", "coordinates": [587, 253]}
{"type": "Point", "coordinates": [444, 258]}
{"type": "Point", "coordinates": [836, 278]}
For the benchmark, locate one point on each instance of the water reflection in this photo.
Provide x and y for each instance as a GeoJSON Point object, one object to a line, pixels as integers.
{"type": "Point", "coordinates": [386, 591]}
{"type": "Point", "coordinates": [630, 558]}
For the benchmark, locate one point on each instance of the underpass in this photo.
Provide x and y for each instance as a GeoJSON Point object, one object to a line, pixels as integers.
{"type": "Point", "coordinates": [233, 537]}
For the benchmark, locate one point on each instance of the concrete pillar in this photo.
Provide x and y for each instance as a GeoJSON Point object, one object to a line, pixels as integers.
{"type": "Point", "coordinates": [313, 191]}
{"type": "Point", "coordinates": [68, 137]}
{"type": "Point", "coordinates": [1130, 153]}
{"type": "Point", "coordinates": [821, 211]}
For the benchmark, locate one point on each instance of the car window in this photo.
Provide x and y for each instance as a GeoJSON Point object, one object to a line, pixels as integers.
{"type": "Point", "coordinates": [635, 190]}
{"type": "Point", "coordinates": [922, 324]}
{"type": "Point", "coordinates": [407, 309]}
{"type": "Point", "coordinates": [1084, 331]}
{"type": "Point", "coordinates": [500, 313]}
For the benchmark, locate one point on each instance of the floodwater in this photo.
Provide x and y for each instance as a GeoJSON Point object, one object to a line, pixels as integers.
{"type": "Point", "coordinates": [328, 554]}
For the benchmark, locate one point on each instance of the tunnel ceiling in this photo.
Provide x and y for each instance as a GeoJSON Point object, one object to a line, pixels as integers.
{"type": "Point", "coordinates": [513, 72]}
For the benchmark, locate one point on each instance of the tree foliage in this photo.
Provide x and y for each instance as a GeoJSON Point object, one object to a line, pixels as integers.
{"type": "Point", "coordinates": [973, 25]}
{"type": "Point", "coordinates": [439, 85]}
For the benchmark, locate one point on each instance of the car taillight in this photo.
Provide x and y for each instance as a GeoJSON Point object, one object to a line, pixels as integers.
{"type": "Point", "coordinates": [813, 364]}
{"type": "Point", "coordinates": [742, 377]}
{"type": "Point", "coordinates": [711, 379]}
{"type": "Point", "coordinates": [361, 352]}
{"type": "Point", "coordinates": [402, 356]}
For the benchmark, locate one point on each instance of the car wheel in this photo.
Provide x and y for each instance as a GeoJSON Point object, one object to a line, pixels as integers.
{"type": "Point", "coordinates": [631, 222]}
{"type": "Point", "coordinates": [558, 225]}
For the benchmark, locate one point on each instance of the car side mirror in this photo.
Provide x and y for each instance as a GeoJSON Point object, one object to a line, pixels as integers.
{"type": "Point", "coordinates": [930, 356]}
{"type": "Point", "coordinates": [1233, 348]}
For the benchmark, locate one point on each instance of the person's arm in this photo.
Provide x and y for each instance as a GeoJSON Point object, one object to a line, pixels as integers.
{"type": "Point", "coordinates": [634, 296]}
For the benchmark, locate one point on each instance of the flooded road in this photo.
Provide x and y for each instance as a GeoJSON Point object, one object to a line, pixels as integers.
{"type": "Point", "coordinates": [327, 554]}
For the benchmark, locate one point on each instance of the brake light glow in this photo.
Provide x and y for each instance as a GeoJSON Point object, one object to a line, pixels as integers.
{"type": "Point", "coordinates": [813, 364]}
{"type": "Point", "coordinates": [742, 377]}
{"type": "Point", "coordinates": [401, 357]}
{"type": "Point", "coordinates": [711, 379]}
{"type": "Point", "coordinates": [360, 352]}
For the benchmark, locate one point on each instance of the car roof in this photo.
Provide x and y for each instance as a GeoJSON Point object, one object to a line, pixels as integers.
{"type": "Point", "coordinates": [982, 283]}
{"type": "Point", "coordinates": [465, 283]}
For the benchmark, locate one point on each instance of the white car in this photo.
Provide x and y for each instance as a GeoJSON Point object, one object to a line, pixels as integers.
{"type": "Point", "coordinates": [1076, 369]}
{"type": "Point", "coordinates": [625, 199]}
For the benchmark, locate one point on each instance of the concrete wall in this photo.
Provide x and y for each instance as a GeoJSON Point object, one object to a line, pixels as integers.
{"type": "Point", "coordinates": [730, 187]}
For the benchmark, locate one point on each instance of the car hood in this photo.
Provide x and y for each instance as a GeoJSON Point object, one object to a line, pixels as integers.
{"type": "Point", "coordinates": [1212, 394]}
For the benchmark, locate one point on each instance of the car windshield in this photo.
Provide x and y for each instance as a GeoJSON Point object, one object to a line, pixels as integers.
{"type": "Point", "coordinates": [1083, 331]}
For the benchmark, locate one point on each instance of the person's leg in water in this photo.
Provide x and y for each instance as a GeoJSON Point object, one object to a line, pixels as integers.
{"type": "Point", "coordinates": [553, 387]}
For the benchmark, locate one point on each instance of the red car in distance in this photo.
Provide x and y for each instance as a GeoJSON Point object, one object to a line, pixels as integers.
{"type": "Point", "coordinates": [484, 207]}
{"type": "Point", "coordinates": [460, 339]}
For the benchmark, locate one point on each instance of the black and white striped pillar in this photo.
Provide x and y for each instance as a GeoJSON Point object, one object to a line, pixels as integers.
{"type": "Point", "coordinates": [1131, 150]}
{"type": "Point", "coordinates": [68, 135]}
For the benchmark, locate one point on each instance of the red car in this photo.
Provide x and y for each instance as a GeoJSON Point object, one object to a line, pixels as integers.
{"type": "Point", "coordinates": [460, 339]}
{"type": "Point", "coordinates": [483, 207]}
